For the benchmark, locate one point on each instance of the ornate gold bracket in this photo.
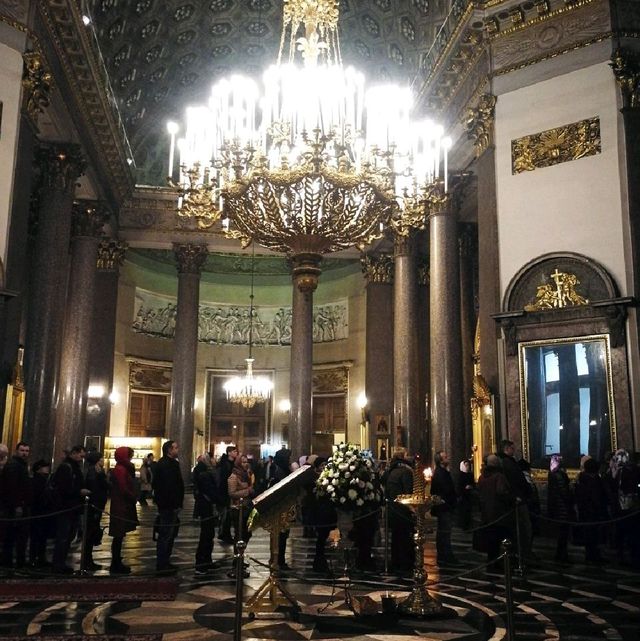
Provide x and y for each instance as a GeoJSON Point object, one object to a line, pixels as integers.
{"type": "Point", "coordinates": [478, 122]}
{"type": "Point", "coordinates": [377, 268]}
{"type": "Point", "coordinates": [37, 83]}
{"type": "Point", "coordinates": [627, 73]}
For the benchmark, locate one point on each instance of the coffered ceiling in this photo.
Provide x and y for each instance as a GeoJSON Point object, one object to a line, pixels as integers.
{"type": "Point", "coordinates": [162, 55]}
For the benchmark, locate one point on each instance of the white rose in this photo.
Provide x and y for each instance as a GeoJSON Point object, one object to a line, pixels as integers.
{"type": "Point", "coordinates": [369, 485]}
{"type": "Point", "coordinates": [342, 467]}
{"type": "Point", "coordinates": [361, 484]}
{"type": "Point", "coordinates": [342, 499]}
{"type": "Point", "coordinates": [352, 468]}
{"type": "Point", "coordinates": [347, 475]}
{"type": "Point", "coordinates": [359, 502]}
{"type": "Point", "coordinates": [352, 494]}
{"type": "Point", "coordinates": [331, 489]}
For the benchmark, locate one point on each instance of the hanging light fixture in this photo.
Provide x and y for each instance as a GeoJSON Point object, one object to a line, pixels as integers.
{"type": "Point", "coordinates": [249, 389]}
{"type": "Point", "coordinates": [312, 162]}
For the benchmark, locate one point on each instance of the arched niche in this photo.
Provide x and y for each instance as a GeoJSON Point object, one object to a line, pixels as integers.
{"type": "Point", "coordinates": [565, 360]}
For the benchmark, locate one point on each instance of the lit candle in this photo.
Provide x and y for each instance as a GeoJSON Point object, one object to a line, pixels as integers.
{"type": "Point", "coordinates": [428, 475]}
{"type": "Point", "coordinates": [172, 129]}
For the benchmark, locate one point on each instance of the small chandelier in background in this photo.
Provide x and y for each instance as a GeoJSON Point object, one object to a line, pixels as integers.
{"type": "Point", "coordinates": [248, 390]}
{"type": "Point", "coordinates": [311, 162]}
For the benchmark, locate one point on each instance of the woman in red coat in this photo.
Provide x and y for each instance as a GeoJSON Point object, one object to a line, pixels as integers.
{"type": "Point", "coordinates": [123, 517]}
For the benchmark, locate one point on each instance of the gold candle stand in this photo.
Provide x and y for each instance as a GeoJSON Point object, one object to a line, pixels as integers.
{"type": "Point", "coordinates": [419, 603]}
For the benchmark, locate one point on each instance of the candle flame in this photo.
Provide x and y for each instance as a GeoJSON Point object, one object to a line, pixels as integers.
{"type": "Point", "coordinates": [428, 473]}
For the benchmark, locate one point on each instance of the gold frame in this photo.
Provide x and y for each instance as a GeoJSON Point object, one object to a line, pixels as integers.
{"type": "Point", "coordinates": [524, 425]}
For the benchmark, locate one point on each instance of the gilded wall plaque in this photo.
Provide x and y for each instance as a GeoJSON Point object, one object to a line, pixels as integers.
{"type": "Point", "coordinates": [562, 293]}
{"type": "Point", "coordinates": [554, 146]}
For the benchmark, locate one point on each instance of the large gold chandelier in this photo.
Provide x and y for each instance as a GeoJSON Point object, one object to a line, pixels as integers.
{"type": "Point", "coordinates": [313, 162]}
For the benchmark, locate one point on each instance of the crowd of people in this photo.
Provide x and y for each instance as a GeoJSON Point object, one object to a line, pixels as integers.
{"type": "Point", "coordinates": [600, 506]}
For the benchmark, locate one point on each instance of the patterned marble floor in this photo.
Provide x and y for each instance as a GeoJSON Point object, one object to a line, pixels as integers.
{"type": "Point", "coordinates": [579, 602]}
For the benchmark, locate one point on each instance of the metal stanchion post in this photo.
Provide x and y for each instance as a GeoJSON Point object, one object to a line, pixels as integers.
{"type": "Point", "coordinates": [85, 523]}
{"type": "Point", "coordinates": [507, 549]}
{"type": "Point", "coordinates": [239, 559]}
{"type": "Point", "coordinates": [386, 537]}
{"type": "Point", "coordinates": [520, 568]}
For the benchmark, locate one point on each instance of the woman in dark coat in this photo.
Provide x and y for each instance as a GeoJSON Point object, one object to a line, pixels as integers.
{"type": "Point", "coordinates": [323, 517]}
{"type": "Point", "coordinates": [123, 517]}
{"type": "Point", "coordinates": [497, 503]}
{"type": "Point", "coordinates": [97, 483]}
{"type": "Point", "coordinates": [591, 500]}
{"type": "Point", "coordinates": [560, 506]}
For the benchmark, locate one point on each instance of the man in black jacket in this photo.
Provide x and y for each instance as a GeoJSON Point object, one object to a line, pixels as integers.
{"type": "Point", "coordinates": [68, 482]}
{"type": "Point", "coordinates": [522, 492]}
{"type": "Point", "coordinates": [207, 497]}
{"type": "Point", "coordinates": [442, 486]}
{"type": "Point", "coordinates": [168, 493]}
{"type": "Point", "coordinates": [16, 501]}
{"type": "Point", "coordinates": [225, 465]}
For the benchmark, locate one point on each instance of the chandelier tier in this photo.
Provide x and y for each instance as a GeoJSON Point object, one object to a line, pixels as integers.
{"type": "Point", "coordinates": [313, 162]}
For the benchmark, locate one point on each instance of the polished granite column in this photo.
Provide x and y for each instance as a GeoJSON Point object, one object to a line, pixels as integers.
{"type": "Point", "coordinates": [446, 398]}
{"type": "Point", "coordinates": [408, 428]}
{"type": "Point", "coordinates": [190, 260]}
{"type": "Point", "coordinates": [378, 381]}
{"type": "Point", "coordinates": [110, 257]}
{"type": "Point", "coordinates": [468, 249]}
{"type": "Point", "coordinates": [305, 270]}
{"type": "Point", "coordinates": [88, 219]}
{"type": "Point", "coordinates": [61, 165]}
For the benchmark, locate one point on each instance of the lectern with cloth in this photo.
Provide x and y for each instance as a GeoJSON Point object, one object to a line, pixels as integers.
{"type": "Point", "coordinates": [274, 510]}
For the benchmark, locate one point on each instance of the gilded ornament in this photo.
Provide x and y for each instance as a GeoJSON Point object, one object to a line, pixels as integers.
{"type": "Point", "coordinates": [61, 166]}
{"type": "Point", "coordinates": [331, 380]}
{"type": "Point", "coordinates": [479, 122]}
{"type": "Point", "coordinates": [377, 268]}
{"type": "Point", "coordinates": [627, 73]}
{"type": "Point", "coordinates": [37, 83]}
{"type": "Point", "coordinates": [562, 293]}
{"type": "Point", "coordinates": [554, 146]}
{"type": "Point", "coordinates": [87, 219]}
{"type": "Point", "coordinates": [190, 258]}
{"type": "Point", "coordinates": [111, 254]}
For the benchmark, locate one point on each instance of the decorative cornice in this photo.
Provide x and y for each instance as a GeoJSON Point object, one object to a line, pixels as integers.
{"type": "Point", "coordinates": [37, 83]}
{"type": "Point", "coordinates": [377, 268]}
{"type": "Point", "coordinates": [190, 258]}
{"type": "Point", "coordinates": [479, 122]}
{"type": "Point", "coordinates": [626, 69]}
{"type": "Point", "coordinates": [87, 218]}
{"type": "Point", "coordinates": [111, 254]}
{"type": "Point", "coordinates": [403, 244]}
{"type": "Point", "coordinates": [95, 105]}
{"type": "Point", "coordinates": [555, 146]}
{"type": "Point", "coordinates": [61, 166]}
{"type": "Point", "coordinates": [437, 200]}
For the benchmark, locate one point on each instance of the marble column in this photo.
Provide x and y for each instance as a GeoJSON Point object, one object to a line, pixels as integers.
{"type": "Point", "coordinates": [110, 257]}
{"type": "Point", "coordinates": [87, 221]}
{"type": "Point", "coordinates": [480, 127]}
{"type": "Point", "coordinates": [61, 166]}
{"type": "Point", "coordinates": [190, 260]}
{"type": "Point", "coordinates": [446, 399]}
{"type": "Point", "coordinates": [468, 260]}
{"type": "Point", "coordinates": [409, 430]}
{"type": "Point", "coordinates": [378, 272]}
{"type": "Point", "coordinates": [626, 68]}
{"type": "Point", "coordinates": [305, 270]}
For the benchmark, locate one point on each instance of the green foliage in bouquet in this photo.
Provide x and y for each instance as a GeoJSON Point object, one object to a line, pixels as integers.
{"type": "Point", "coordinates": [350, 480]}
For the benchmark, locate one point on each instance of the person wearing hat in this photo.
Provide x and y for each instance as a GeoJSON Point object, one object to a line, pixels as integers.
{"type": "Point", "coordinates": [96, 481]}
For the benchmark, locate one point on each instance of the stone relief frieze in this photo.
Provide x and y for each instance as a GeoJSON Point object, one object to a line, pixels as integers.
{"type": "Point", "coordinates": [222, 324]}
{"type": "Point", "coordinates": [561, 32]}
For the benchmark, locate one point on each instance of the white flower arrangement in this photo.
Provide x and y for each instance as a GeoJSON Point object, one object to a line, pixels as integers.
{"type": "Point", "coordinates": [350, 480]}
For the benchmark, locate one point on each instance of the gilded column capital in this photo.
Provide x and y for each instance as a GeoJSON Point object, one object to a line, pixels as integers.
{"type": "Point", "coordinates": [626, 69]}
{"type": "Point", "coordinates": [305, 271]}
{"type": "Point", "coordinates": [439, 202]}
{"type": "Point", "coordinates": [61, 166]}
{"type": "Point", "coordinates": [87, 218]}
{"type": "Point", "coordinates": [403, 245]}
{"type": "Point", "coordinates": [37, 83]}
{"type": "Point", "coordinates": [377, 268]}
{"type": "Point", "coordinates": [111, 254]}
{"type": "Point", "coordinates": [478, 122]}
{"type": "Point", "coordinates": [190, 258]}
